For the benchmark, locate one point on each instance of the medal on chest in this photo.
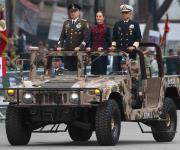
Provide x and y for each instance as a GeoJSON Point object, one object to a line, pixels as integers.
{"type": "Point", "coordinates": [78, 26]}
{"type": "Point", "coordinates": [131, 27]}
{"type": "Point", "coordinates": [67, 26]}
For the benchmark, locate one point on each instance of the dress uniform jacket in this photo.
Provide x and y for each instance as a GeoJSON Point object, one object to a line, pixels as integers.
{"type": "Point", "coordinates": [72, 36]}
{"type": "Point", "coordinates": [125, 34]}
{"type": "Point", "coordinates": [57, 71]}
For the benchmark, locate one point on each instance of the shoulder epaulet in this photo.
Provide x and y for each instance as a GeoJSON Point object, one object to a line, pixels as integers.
{"type": "Point", "coordinates": [84, 19]}
{"type": "Point", "coordinates": [67, 19]}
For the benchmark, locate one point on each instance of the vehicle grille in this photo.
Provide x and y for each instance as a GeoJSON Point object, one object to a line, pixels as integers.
{"type": "Point", "coordinates": [51, 98]}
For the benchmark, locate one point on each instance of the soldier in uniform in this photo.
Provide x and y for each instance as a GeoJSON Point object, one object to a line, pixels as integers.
{"type": "Point", "coordinates": [56, 67]}
{"type": "Point", "coordinates": [74, 36]}
{"type": "Point", "coordinates": [126, 33]}
{"type": "Point", "coordinates": [123, 67]}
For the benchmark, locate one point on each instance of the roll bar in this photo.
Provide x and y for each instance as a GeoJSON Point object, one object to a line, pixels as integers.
{"type": "Point", "coordinates": [158, 56]}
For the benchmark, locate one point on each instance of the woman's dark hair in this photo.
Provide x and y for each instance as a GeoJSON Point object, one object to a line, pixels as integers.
{"type": "Point", "coordinates": [102, 12]}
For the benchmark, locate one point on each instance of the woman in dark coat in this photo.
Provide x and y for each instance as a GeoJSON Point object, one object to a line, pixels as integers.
{"type": "Point", "coordinates": [100, 40]}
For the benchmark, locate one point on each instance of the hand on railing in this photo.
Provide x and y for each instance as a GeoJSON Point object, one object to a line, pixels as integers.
{"type": "Point", "coordinates": [131, 48]}
{"type": "Point", "coordinates": [100, 49]}
{"type": "Point", "coordinates": [88, 49]}
{"type": "Point", "coordinates": [59, 48]}
{"type": "Point", "coordinates": [77, 49]}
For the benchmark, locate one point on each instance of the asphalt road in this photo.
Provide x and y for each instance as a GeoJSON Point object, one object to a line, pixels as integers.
{"type": "Point", "coordinates": [131, 138]}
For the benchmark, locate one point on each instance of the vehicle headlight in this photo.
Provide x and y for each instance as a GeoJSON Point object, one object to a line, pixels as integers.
{"type": "Point", "coordinates": [74, 98]}
{"type": "Point", "coordinates": [97, 92]}
{"type": "Point", "coordinates": [11, 92]}
{"type": "Point", "coordinates": [28, 98]}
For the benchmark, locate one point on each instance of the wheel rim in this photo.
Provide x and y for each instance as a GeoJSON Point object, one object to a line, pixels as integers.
{"type": "Point", "coordinates": [112, 123]}
{"type": "Point", "coordinates": [168, 120]}
{"type": "Point", "coordinates": [114, 126]}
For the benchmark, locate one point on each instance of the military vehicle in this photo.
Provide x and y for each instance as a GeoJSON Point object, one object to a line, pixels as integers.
{"type": "Point", "coordinates": [87, 103]}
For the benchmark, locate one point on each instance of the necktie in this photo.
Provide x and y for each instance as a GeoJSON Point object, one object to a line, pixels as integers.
{"type": "Point", "coordinates": [73, 22]}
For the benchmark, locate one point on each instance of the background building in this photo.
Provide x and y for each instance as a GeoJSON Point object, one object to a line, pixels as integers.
{"type": "Point", "coordinates": [112, 13]}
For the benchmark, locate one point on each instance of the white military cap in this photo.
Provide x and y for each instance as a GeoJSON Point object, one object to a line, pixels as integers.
{"type": "Point", "coordinates": [126, 8]}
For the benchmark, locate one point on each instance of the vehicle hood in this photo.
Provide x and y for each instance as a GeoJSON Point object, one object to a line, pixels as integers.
{"type": "Point", "coordinates": [77, 82]}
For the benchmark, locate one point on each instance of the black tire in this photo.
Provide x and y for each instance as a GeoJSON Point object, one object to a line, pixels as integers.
{"type": "Point", "coordinates": [18, 133]}
{"type": "Point", "coordinates": [79, 134]}
{"type": "Point", "coordinates": [164, 131]}
{"type": "Point", "coordinates": [108, 123]}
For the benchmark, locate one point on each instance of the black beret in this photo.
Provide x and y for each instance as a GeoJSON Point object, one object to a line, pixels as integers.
{"type": "Point", "coordinates": [74, 6]}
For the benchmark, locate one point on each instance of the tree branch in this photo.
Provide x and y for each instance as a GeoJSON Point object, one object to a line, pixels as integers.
{"type": "Point", "coordinates": [162, 9]}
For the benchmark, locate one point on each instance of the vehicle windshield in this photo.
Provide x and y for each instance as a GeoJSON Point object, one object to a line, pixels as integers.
{"type": "Point", "coordinates": [88, 64]}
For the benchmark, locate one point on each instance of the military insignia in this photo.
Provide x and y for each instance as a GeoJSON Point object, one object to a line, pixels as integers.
{"type": "Point", "coordinates": [67, 25]}
{"type": "Point", "coordinates": [130, 31]}
{"type": "Point", "coordinates": [131, 26]}
{"type": "Point", "coordinates": [73, 7]}
{"type": "Point", "coordinates": [78, 25]}
{"type": "Point", "coordinates": [124, 8]}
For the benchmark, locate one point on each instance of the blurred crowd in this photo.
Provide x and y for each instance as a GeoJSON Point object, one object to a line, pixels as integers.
{"type": "Point", "coordinates": [17, 49]}
{"type": "Point", "coordinates": [171, 62]}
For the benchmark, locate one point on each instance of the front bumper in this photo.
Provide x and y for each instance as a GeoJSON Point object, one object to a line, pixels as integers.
{"type": "Point", "coordinates": [53, 96]}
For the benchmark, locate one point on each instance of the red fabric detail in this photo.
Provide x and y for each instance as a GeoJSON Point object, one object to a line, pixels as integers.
{"type": "Point", "coordinates": [166, 30]}
{"type": "Point", "coordinates": [3, 41]}
{"type": "Point", "coordinates": [3, 66]}
{"type": "Point", "coordinates": [98, 36]}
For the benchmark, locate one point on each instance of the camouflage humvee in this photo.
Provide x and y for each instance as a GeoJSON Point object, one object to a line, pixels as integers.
{"type": "Point", "coordinates": [87, 103]}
